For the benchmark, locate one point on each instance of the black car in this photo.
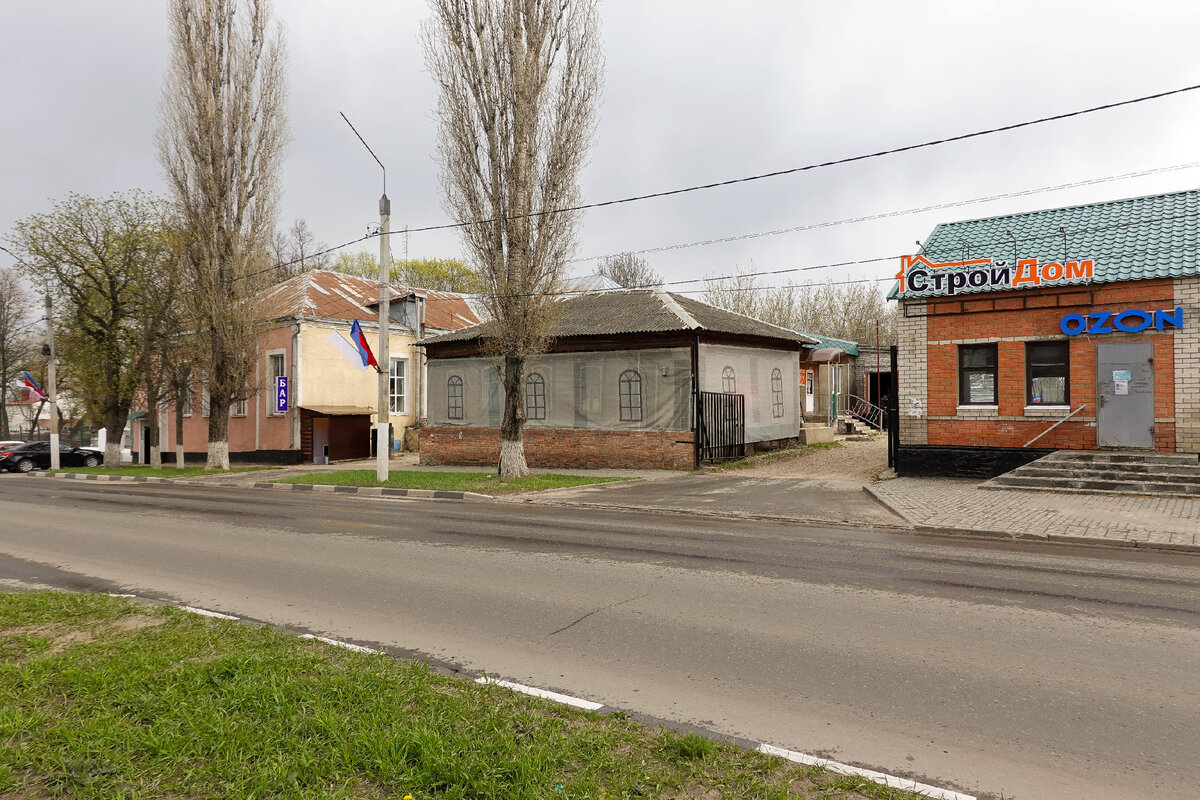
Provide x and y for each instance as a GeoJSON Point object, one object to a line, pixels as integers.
{"type": "Point", "coordinates": [36, 455]}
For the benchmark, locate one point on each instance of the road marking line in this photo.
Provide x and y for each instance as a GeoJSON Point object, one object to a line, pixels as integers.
{"type": "Point", "coordinates": [114, 594]}
{"type": "Point", "coordinates": [879, 777]}
{"type": "Point", "coordinates": [206, 613]}
{"type": "Point", "coordinates": [565, 699]}
{"type": "Point", "coordinates": [358, 648]}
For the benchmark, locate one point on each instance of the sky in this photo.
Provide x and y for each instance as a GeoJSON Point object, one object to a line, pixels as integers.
{"type": "Point", "coordinates": [695, 92]}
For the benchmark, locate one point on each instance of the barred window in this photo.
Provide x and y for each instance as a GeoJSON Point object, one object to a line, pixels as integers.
{"type": "Point", "coordinates": [454, 397]}
{"type": "Point", "coordinates": [728, 380]}
{"type": "Point", "coordinates": [776, 393]}
{"type": "Point", "coordinates": [631, 396]}
{"type": "Point", "coordinates": [535, 397]}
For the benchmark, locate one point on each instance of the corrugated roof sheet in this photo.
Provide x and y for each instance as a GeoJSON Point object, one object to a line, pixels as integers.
{"type": "Point", "coordinates": [1137, 238]}
{"type": "Point", "coordinates": [334, 295]}
{"type": "Point", "coordinates": [639, 311]}
{"type": "Point", "coordinates": [845, 345]}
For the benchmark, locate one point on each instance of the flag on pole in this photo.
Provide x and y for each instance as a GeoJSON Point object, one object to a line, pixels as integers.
{"type": "Point", "coordinates": [30, 383]}
{"type": "Point", "coordinates": [359, 340]}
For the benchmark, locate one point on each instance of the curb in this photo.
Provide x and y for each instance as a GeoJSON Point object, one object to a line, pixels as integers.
{"type": "Point", "coordinates": [370, 491]}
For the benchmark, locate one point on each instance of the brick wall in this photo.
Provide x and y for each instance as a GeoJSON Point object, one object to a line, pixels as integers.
{"type": "Point", "coordinates": [911, 372]}
{"type": "Point", "coordinates": [561, 447]}
{"type": "Point", "coordinates": [933, 367]}
{"type": "Point", "coordinates": [1187, 367]}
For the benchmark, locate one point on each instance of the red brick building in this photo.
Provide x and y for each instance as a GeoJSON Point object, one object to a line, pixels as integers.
{"type": "Point", "coordinates": [1072, 328]}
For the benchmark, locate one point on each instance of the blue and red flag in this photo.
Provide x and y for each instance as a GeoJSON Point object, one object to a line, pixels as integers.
{"type": "Point", "coordinates": [364, 350]}
{"type": "Point", "coordinates": [30, 383]}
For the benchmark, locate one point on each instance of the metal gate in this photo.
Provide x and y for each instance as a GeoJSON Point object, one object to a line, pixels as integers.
{"type": "Point", "coordinates": [721, 426]}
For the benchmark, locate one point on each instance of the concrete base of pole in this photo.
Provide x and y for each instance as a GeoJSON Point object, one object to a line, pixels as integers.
{"type": "Point", "coordinates": [55, 460]}
{"type": "Point", "coordinates": [382, 443]}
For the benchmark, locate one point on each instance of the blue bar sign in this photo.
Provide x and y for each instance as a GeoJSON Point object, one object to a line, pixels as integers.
{"type": "Point", "coordinates": [281, 394]}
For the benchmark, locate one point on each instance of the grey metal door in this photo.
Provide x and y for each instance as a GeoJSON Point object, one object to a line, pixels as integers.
{"type": "Point", "coordinates": [1125, 392]}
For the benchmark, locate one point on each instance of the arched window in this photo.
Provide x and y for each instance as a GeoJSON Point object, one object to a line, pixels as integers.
{"type": "Point", "coordinates": [728, 380]}
{"type": "Point", "coordinates": [631, 396]}
{"type": "Point", "coordinates": [454, 397]}
{"type": "Point", "coordinates": [776, 393]}
{"type": "Point", "coordinates": [535, 397]}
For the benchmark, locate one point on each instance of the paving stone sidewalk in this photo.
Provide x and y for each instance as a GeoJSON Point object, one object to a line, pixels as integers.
{"type": "Point", "coordinates": [957, 504]}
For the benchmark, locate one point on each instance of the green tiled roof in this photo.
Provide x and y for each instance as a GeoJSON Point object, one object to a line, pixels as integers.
{"type": "Point", "coordinates": [849, 347]}
{"type": "Point", "coordinates": [1137, 238]}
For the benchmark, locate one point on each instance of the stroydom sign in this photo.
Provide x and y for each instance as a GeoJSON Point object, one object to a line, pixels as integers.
{"type": "Point", "coordinates": [281, 394]}
{"type": "Point", "coordinates": [920, 276]}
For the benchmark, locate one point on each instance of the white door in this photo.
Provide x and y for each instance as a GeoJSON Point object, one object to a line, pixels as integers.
{"type": "Point", "coordinates": [809, 391]}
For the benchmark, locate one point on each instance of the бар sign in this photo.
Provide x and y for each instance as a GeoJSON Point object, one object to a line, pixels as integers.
{"type": "Point", "coordinates": [1132, 320]}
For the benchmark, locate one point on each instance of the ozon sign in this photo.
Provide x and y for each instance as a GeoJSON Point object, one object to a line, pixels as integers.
{"type": "Point", "coordinates": [919, 275]}
{"type": "Point", "coordinates": [1130, 321]}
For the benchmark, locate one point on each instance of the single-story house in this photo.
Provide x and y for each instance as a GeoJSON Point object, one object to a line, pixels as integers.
{"type": "Point", "coordinates": [634, 378]}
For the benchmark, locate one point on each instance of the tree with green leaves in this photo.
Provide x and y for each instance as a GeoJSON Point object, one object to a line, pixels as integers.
{"type": "Point", "coordinates": [15, 342]}
{"type": "Point", "coordinates": [102, 260]}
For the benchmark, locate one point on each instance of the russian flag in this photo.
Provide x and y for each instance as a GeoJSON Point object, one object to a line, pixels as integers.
{"type": "Point", "coordinates": [364, 350]}
{"type": "Point", "coordinates": [30, 383]}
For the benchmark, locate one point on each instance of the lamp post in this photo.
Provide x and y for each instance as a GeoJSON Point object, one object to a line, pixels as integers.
{"type": "Point", "coordinates": [52, 387]}
{"type": "Point", "coordinates": [383, 420]}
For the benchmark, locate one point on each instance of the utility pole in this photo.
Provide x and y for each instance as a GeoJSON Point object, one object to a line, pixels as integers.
{"type": "Point", "coordinates": [52, 388]}
{"type": "Point", "coordinates": [383, 420]}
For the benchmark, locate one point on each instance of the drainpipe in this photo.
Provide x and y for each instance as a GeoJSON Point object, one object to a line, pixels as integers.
{"type": "Point", "coordinates": [696, 401]}
{"type": "Point", "coordinates": [294, 390]}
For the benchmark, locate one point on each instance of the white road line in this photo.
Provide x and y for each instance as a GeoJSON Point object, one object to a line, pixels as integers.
{"type": "Point", "coordinates": [565, 699]}
{"type": "Point", "coordinates": [879, 777]}
{"type": "Point", "coordinates": [114, 594]}
{"type": "Point", "coordinates": [206, 613]}
{"type": "Point", "coordinates": [358, 648]}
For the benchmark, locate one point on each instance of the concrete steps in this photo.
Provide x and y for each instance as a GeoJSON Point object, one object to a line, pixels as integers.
{"type": "Point", "coordinates": [852, 426]}
{"type": "Point", "coordinates": [1101, 472]}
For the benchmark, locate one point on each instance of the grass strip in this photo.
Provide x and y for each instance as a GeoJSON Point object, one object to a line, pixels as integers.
{"type": "Point", "coordinates": [482, 482]}
{"type": "Point", "coordinates": [141, 470]}
{"type": "Point", "coordinates": [106, 697]}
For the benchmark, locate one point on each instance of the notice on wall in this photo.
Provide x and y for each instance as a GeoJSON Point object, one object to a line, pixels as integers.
{"type": "Point", "coordinates": [1121, 387]}
{"type": "Point", "coordinates": [1122, 375]}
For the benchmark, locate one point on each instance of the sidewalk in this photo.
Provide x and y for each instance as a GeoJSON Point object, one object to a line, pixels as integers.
{"type": "Point", "coordinates": [958, 504]}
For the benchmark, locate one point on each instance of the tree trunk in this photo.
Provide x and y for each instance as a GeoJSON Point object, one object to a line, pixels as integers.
{"type": "Point", "coordinates": [155, 435]}
{"type": "Point", "coordinates": [114, 422]}
{"type": "Point", "coordinates": [512, 445]}
{"type": "Point", "coordinates": [218, 434]}
{"type": "Point", "coordinates": [179, 429]}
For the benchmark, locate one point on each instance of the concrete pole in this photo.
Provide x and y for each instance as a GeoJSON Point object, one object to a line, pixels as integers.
{"type": "Point", "coordinates": [383, 426]}
{"type": "Point", "coordinates": [52, 388]}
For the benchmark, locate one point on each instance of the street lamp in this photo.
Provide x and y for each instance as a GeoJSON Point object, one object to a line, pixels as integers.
{"type": "Point", "coordinates": [383, 420]}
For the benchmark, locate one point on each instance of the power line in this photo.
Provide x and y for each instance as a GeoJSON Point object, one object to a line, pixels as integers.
{"type": "Point", "coordinates": [891, 214]}
{"type": "Point", "coordinates": [820, 165]}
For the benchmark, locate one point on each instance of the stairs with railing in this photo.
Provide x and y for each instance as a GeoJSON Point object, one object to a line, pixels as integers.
{"type": "Point", "coordinates": [859, 416]}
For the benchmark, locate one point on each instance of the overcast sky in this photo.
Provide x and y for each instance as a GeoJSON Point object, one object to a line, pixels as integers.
{"type": "Point", "coordinates": [695, 92]}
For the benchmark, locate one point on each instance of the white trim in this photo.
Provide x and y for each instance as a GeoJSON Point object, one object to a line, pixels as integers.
{"type": "Point", "coordinates": [870, 774]}
{"type": "Point", "coordinates": [565, 699]}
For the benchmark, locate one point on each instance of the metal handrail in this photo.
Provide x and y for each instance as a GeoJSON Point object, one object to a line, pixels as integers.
{"type": "Point", "coordinates": [865, 410]}
{"type": "Point", "coordinates": [1055, 425]}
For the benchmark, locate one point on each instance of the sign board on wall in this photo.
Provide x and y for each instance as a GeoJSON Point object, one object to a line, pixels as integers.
{"type": "Point", "coordinates": [920, 276]}
{"type": "Point", "coordinates": [1132, 320]}
{"type": "Point", "coordinates": [281, 394]}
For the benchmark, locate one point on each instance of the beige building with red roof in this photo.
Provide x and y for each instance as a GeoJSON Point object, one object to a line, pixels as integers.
{"type": "Point", "coordinates": [328, 407]}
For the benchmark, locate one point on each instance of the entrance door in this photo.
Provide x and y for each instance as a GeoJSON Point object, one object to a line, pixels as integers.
{"type": "Point", "coordinates": [1125, 392]}
{"type": "Point", "coordinates": [320, 440]}
{"type": "Point", "coordinates": [809, 391]}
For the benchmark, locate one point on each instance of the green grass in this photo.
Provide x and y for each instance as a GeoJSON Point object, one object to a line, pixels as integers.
{"type": "Point", "coordinates": [140, 470]}
{"type": "Point", "coordinates": [110, 698]}
{"type": "Point", "coordinates": [482, 482]}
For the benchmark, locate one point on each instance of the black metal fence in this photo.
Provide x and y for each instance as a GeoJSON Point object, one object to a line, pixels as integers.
{"type": "Point", "coordinates": [721, 426]}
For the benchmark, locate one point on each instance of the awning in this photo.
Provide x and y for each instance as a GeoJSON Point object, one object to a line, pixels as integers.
{"type": "Point", "coordinates": [337, 411]}
{"type": "Point", "coordinates": [827, 354]}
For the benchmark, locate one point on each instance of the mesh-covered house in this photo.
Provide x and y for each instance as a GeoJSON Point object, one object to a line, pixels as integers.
{"type": "Point", "coordinates": [634, 378]}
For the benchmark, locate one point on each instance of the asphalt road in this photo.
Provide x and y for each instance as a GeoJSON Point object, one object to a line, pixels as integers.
{"type": "Point", "coordinates": [1030, 670]}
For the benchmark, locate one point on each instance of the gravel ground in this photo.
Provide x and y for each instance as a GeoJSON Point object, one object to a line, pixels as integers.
{"type": "Point", "coordinates": [853, 461]}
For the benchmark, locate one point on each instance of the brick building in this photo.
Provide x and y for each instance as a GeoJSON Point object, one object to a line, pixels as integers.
{"type": "Point", "coordinates": [634, 378]}
{"type": "Point", "coordinates": [1070, 328]}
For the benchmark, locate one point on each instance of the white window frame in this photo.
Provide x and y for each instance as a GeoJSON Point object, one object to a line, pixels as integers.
{"type": "Point", "coordinates": [404, 380]}
{"type": "Point", "coordinates": [238, 408]}
{"type": "Point", "coordinates": [271, 412]}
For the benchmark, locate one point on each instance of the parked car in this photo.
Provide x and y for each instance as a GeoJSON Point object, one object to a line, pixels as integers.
{"type": "Point", "coordinates": [36, 455]}
{"type": "Point", "coordinates": [10, 445]}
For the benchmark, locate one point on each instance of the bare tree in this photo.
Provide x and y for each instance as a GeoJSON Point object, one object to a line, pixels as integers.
{"type": "Point", "coordinates": [298, 251]}
{"type": "Point", "coordinates": [519, 82]}
{"type": "Point", "coordinates": [628, 270]}
{"type": "Point", "coordinates": [15, 306]}
{"type": "Point", "coordinates": [221, 142]}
